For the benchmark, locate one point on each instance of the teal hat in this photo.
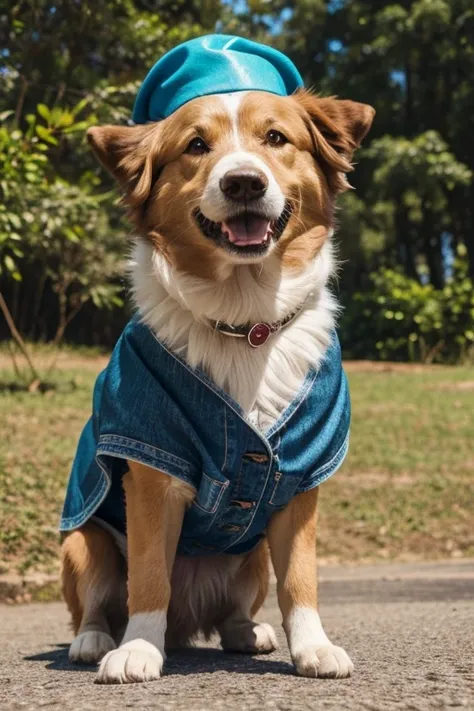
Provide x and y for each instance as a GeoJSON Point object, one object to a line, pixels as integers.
{"type": "Point", "coordinates": [214, 64]}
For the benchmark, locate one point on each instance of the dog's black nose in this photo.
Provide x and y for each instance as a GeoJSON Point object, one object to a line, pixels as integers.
{"type": "Point", "coordinates": [244, 184]}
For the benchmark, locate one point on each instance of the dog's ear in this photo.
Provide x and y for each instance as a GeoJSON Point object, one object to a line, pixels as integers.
{"type": "Point", "coordinates": [338, 128]}
{"type": "Point", "coordinates": [344, 124]}
{"type": "Point", "coordinates": [130, 155]}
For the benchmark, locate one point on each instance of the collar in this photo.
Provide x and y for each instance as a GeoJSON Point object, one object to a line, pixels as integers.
{"type": "Point", "coordinates": [256, 333]}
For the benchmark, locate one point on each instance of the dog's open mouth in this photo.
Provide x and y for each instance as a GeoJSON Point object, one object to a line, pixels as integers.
{"type": "Point", "coordinates": [249, 231]}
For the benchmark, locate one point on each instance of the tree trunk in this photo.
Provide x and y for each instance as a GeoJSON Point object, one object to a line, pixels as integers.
{"type": "Point", "coordinates": [17, 337]}
{"type": "Point", "coordinates": [469, 231]}
{"type": "Point", "coordinates": [405, 242]}
{"type": "Point", "coordinates": [432, 246]}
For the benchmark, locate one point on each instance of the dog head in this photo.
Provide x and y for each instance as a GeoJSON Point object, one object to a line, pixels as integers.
{"type": "Point", "coordinates": [229, 179]}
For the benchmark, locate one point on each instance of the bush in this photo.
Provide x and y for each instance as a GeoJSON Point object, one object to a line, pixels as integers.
{"type": "Point", "coordinates": [58, 229]}
{"type": "Point", "coordinates": [401, 319]}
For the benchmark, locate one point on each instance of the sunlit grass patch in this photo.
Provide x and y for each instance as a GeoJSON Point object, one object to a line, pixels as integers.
{"type": "Point", "coordinates": [405, 491]}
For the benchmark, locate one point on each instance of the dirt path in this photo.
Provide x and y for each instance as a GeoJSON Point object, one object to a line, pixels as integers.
{"type": "Point", "coordinates": [70, 360]}
{"type": "Point", "coordinates": [409, 630]}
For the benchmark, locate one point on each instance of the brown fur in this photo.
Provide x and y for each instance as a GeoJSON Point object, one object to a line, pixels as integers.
{"type": "Point", "coordinates": [162, 184]}
{"type": "Point", "coordinates": [155, 507]}
{"type": "Point", "coordinates": [292, 539]}
{"type": "Point", "coordinates": [200, 593]}
{"type": "Point", "coordinates": [93, 580]}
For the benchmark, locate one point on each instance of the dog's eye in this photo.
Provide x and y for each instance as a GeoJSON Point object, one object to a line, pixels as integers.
{"type": "Point", "coordinates": [197, 147]}
{"type": "Point", "coordinates": [276, 138]}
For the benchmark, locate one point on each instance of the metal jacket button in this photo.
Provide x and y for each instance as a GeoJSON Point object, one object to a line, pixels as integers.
{"type": "Point", "coordinates": [256, 457]}
{"type": "Point", "coordinates": [242, 504]}
{"type": "Point", "coordinates": [231, 528]}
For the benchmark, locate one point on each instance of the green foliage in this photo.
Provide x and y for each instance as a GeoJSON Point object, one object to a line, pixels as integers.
{"type": "Point", "coordinates": [400, 319]}
{"type": "Point", "coordinates": [412, 61]}
{"type": "Point", "coordinates": [48, 222]}
{"type": "Point", "coordinates": [422, 165]}
{"type": "Point", "coordinates": [22, 163]}
{"type": "Point", "coordinates": [65, 65]}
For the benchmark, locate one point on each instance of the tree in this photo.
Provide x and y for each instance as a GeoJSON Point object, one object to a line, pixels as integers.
{"type": "Point", "coordinates": [65, 65]}
{"type": "Point", "coordinates": [412, 60]}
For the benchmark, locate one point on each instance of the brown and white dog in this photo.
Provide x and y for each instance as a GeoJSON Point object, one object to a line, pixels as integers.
{"type": "Point", "coordinates": [192, 183]}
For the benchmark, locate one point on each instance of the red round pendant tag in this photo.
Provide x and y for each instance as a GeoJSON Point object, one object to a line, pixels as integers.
{"type": "Point", "coordinates": [258, 334]}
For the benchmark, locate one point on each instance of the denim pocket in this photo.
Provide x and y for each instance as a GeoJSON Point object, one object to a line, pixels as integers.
{"type": "Point", "coordinates": [284, 488]}
{"type": "Point", "coordinates": [209, 494]}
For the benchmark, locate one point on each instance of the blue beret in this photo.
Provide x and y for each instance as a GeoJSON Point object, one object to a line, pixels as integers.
{"type": "Point", "coordinates": [214, 64]}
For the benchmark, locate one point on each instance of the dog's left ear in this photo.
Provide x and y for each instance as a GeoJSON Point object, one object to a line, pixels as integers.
{"type": "Point", "coordinates": [343, 124]}
{"type": "Point", "coordinates": [337, 129]}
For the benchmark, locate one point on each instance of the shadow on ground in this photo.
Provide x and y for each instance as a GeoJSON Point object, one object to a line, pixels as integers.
{"type": "Point", "coordinates": [179, 662]}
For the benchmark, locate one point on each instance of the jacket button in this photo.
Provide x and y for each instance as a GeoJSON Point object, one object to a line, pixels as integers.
{"type": "Point", "coordinates": [242, 504]}
{"type": "Point", "coordinates": [231, 528]}
{"type": "Point", "coordinates": [256, 457]}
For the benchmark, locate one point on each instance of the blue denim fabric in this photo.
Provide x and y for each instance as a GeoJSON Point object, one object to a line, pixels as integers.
{"type": "Point", "coordinates": [151, 407]}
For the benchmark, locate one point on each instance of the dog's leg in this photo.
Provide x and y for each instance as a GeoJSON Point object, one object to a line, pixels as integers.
{"type": "Point", "coordinates": [239, 633]}
{"type": "Point", "coordinates": [93, 583]}
{"type": "Point", "coordinates": [292, 538]}
{"type": "Point", "coordinates": [155, 504]}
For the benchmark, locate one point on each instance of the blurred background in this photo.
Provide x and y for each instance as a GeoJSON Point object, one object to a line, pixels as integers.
{"type": "Point", "coordinates": [406, 240]}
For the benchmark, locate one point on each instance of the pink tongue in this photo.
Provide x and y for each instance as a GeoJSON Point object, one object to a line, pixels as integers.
{"type": "Point", "coordinates": [246, 229]}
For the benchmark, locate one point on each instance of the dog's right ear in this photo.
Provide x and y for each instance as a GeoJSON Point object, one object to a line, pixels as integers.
{"type": "Point", "coordinates": [129, 154]}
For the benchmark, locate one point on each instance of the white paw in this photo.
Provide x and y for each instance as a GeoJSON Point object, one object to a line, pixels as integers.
{"type": "Point", "coordinates": [134, 661]}
{"type": "Point", "coordinates": [90, 647]}
{"type": "Point", "coordinates": [249, 637]}
{"type": "Point", "coordinates": [328, 661]}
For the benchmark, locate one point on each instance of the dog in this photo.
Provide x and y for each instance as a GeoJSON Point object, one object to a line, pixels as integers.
{"type": "Point", "coordinates": [232, 198]}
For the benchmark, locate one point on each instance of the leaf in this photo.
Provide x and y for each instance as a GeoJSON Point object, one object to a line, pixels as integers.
{"type": "Point", "coordinates": [9, 263]}
{"type": "Point", "coordinates": [15, 220]}
{"type": "Point", "coordinates": [44, 112]}
{"type": "Point", "coordinates": [79, 126]}
{"type": "Point", "coordinates": [6, 114]}
{"type": "Point", "coordinates": [65, 120]}
{"type": "Point", "coordinates": [45, 135]}
{"type": "Point", "coordinates": [70, 234]}
{"type": "Point", "coordinates": [80, 106]}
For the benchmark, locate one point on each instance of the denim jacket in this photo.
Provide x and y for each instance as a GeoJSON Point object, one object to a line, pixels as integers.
{"type": "Point", "coordinates": [151, 407]}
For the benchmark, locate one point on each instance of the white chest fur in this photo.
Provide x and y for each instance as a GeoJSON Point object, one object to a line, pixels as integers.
{"type": "Point", "coordinates": [262, 380]}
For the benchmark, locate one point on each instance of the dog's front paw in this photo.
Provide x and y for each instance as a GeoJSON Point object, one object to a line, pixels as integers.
{"type": "Point", "coordinates": [327, 661]}
{"type": "Point", "coordinates": [248, 637]}
{"type": "Point", "coordinates": [89, 647]}
{"type": "Point", "coordinates": [135, 661]}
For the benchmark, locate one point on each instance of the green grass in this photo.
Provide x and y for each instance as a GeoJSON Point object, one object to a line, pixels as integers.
{"type": "Point", "coordinates": [406, 490]}
{"type": "Point", "coordinates": [407, 487]}
{"type": "Point", "coordinates": [40, 431]}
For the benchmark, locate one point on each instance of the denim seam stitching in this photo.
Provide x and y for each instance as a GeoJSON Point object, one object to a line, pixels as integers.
{"type": "Point", "coordinates": [290, 411]}
{"type": "Point", "coordinates": [97, 498]}
{"type": "Point", "coordinates": [256, 508]}
{"type": "Point", "coordinates": [328, 469]}
{"type": "Point", "coordinates": [234, 406]}
{"type": "Point", "coordinates": [224, 464]}
{"type": "Point", "coordinates": [129, 443]}
{"type": "Point", "coordinates": [223, 486]}
{"type": "Point", "coordinates": [275, 489]}
{"type": "Point", "coordinates": [164, 467]}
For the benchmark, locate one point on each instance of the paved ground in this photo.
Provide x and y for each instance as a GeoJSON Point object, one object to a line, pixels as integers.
{"type": "Point", "coordinates": [409, 630]}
